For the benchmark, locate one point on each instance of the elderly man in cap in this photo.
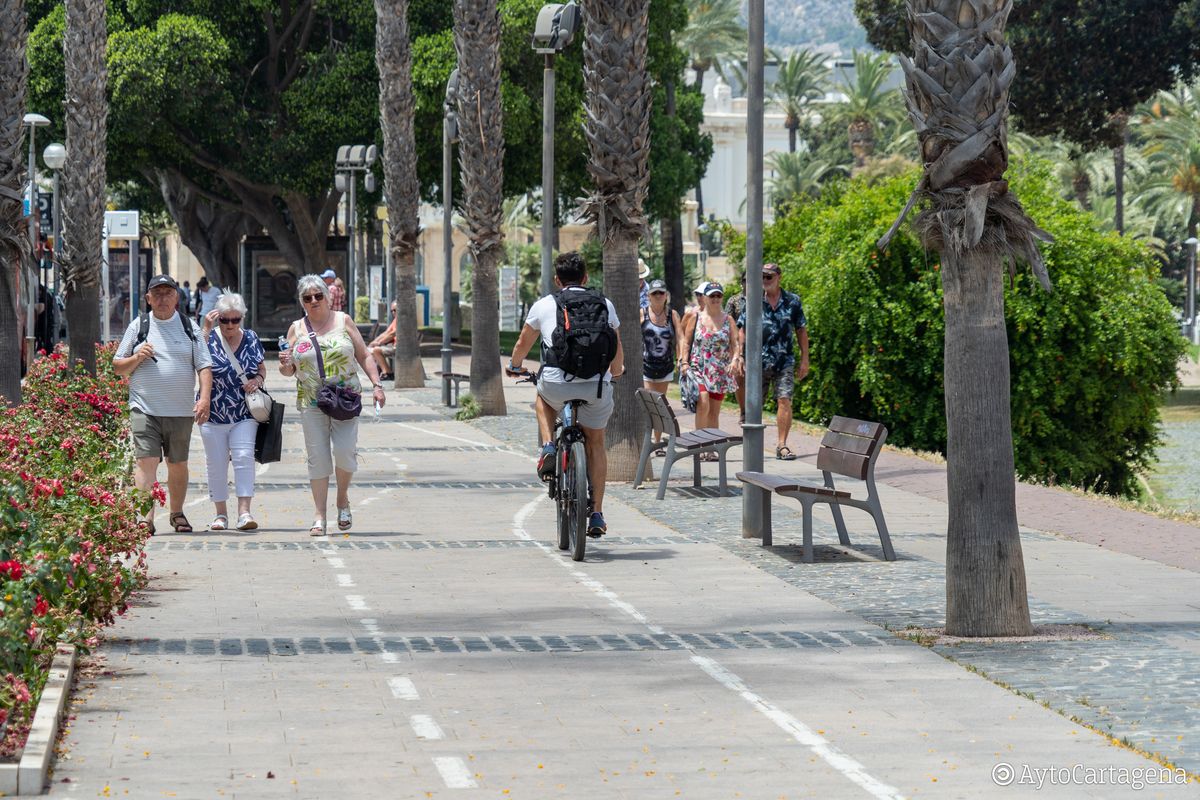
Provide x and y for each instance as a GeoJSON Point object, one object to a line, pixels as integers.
{"type": "Point", "coordinates": [162, 353]}
{"type": "Point", "coordinates": [782, 318]}
{"type": "Point", "coordinates": [337, 295]}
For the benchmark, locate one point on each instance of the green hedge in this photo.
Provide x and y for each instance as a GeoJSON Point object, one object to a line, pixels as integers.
{"type": "Point", "coordinates": [1090, 361]}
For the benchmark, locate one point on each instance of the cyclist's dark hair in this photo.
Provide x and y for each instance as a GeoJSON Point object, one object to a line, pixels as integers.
{"type": "Point", "coordinates": [570, 268]}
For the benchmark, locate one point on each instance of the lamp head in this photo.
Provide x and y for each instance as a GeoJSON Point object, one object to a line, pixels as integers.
{"type": "Point", "coordinates": [555, 27]}
{"type": "Point", "coordinates": [35, 120]}
{"type": "Point", "coordinates": [55, 156]}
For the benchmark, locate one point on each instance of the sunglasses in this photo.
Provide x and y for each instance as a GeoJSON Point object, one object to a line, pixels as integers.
{"type": "Point", "coordinates": [229, 320]}
{"type": "Point", "coordinates": [312, 298]}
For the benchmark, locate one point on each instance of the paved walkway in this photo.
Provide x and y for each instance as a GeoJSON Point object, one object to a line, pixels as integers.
{"type": "Point", "coordinates": [443, 648]}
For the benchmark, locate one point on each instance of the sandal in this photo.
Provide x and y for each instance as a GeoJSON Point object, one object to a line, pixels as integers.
{"type": "Point", "coordinates": [180, 523]}
{"type": "Point", "coordinates": [147, 525]}
{"type": "Point", "coordinates": [784, 453]}
{"type": "Point", "coordinates": [345, 520]}
{"type": "Point", "coordinates": [246, 522]}
{"type": "Point", "coordinates": [317, 528]}
{"type": "Point", "coordinates": [220, 523]}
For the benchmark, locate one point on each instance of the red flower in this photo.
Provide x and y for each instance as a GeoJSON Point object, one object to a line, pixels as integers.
{"type": "Point", "coordinates": [41, 608]}
{"type": "Point", "coordinates": [12, 569]}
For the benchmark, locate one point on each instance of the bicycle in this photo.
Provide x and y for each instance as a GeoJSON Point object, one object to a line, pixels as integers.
{"type": "Point", "coordinates": [569, 488]}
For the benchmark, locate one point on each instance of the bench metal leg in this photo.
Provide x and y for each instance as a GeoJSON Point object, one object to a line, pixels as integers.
{"type": "Point", "coordinates": [456, 385]}
{"type": "Point", "coordinates": [722, 483]}
{"type": "Point", "coordinates": [666, 469]}
{"type": "Point", "coordinates": [647, 445]}
{"type": "Point", "coordinates": [808, 526]}
{"type": "Point", "coordinates": [843, 534]}
{"type": "Point", "coordinates": [696, 482]}
{"type": "Point", "coordinates": [884, 538]}
{"type": "Point", "coordinates": [767, 533]}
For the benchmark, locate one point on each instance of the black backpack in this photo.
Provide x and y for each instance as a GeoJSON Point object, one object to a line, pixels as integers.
{"type": "Point", "coordinates": [584, 344]}
{"type": "Point", "coordinates": [144, 328]}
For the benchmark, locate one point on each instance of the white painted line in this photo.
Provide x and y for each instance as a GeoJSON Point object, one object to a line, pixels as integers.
{"type": "Point", "coordinates": [344, 580]}
{"type": "Point", "coordinates": [336, 563]}
{"type": "Point", "coordinates": [424, 727]}
{"type": "Point", "coordinates": [403, 689]}
{"type": "Point", "coordinates": [443, 435]}
{"type": "Point", "coordinates": [196, 502]}
{"type": "Point", "coordinates": [357, 603]}
{"type": "Point", "coordinates": [260, 469]}
{"type": "Point", "coordinates": [817, 744]}
{"type": "Point", "coordinates": [389, 658]}
{"type": "Point", "coordinates": [454, 772]}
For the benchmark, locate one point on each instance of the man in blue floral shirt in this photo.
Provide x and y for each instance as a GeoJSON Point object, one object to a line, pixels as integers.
{"type": "Point", "coordinates": [783, 318]}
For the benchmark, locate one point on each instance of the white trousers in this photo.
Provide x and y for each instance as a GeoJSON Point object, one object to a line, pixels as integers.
{"type": "Point", "coordinates": [224, 443]}
{"type": "Point", "coordinates": [328, 442]}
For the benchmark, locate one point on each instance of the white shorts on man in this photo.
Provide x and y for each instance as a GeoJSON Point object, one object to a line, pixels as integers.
{"type": "Point", "coordinates": [557, 388]}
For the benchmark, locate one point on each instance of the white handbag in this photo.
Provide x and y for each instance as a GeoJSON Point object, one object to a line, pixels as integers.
{"type": "Point", "coordinates": [257, 403]}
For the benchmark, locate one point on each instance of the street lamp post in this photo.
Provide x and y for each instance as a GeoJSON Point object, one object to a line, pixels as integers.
{"type": "Point", "coordinates": [54, 157]}
{"type": "Point", "coordinates": [555, 28]}
{"type": "Point", "coordinates": [34, 121]}
{"type": "Point", "coordinates": [351, 160]}
{"type": "Point", "coordinates": [1193, 331]}
{"type": "Point", "coordinates": [752, 450]}
{"type": "Point", "coordinates": [449, 138]}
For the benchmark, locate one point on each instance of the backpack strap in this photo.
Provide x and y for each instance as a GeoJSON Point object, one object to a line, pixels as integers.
{"type": "Point", "coordinates": [143, 329]}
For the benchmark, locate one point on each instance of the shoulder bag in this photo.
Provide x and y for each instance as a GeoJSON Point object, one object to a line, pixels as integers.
{"type": "Point", "coordinates": [257, 403]}
{"type": "Point", "coordinates": [339, 402]}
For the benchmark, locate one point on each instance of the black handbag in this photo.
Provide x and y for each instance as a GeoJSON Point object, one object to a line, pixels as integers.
{"type": "Point", "coordinates": [339, 402]}
{"type": "Point", "coordinates": [268, 442]}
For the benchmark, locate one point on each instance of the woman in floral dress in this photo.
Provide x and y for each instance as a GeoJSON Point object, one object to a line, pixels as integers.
{"type": "Point", "coordinates": [331, 444]}
{"type": "Point", "coordinates": [713, 362]}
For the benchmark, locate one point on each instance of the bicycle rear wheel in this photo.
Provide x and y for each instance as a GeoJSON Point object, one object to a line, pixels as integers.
{"type": "Point", "coordinates": [560, 502]}
{"type": "Point", "coordinates": [576, 499]}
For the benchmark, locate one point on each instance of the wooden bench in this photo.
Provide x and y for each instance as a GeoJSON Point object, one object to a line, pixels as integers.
{"type": "Point", "coordinates": [456, 378]}
{"type": "Point", "coordinates": [850, 447]}
{"type": "Point", "coordinates": [679, 445]}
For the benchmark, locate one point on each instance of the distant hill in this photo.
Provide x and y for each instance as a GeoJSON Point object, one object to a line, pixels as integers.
{"type": "Point", "coordinates": [792, 23]}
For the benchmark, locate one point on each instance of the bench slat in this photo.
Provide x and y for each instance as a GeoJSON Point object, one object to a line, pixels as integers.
{"type": "Point", "coordinates": [781, 484]}
{"type": "Point", "coordinates": [860, 445]}
{"type": "Point", "coordinates": [856, 427]}
{"type": "Point", "coordinates": [849, 464]}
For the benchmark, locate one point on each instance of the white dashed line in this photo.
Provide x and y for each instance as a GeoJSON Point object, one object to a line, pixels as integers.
{"type": "Point", "coordinates": [424, 727]}
{"type": "Point", "coordinates": [336, 563]}
{"type": "Point", "coordinates": [403, 688]}
{"type": "Point", "coordinates": [344, 580]}
{"type": "Point", "coordinates": [817, 744]}
{"type": "Point", "coordinates": [357, 603]}
{"type": "Point", "coordinates": [428, 432]}
{"type": "Point", "coordinates": [454, 772]}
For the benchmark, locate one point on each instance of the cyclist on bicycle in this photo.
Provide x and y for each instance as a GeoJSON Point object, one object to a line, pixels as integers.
{"type": "Point", "coordinates": [570, 318]}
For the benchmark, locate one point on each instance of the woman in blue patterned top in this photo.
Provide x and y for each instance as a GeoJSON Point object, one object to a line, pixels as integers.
{"type": "Point", "coordinates": [230, 431]}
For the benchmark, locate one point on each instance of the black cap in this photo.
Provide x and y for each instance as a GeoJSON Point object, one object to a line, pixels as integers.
{"type": "Point", "coordinates": [162, 280]}
{"type": "Point", "coordinates": [656, 286]}
{"type": "Point", "coordinates": [712, 289]}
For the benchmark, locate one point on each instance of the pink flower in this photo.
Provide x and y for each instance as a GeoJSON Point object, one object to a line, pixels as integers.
{"type": "Point", "coordinates": [303, 347]}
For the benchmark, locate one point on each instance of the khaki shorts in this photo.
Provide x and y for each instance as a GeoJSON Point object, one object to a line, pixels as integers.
{"type": "Point", "coordinates": [158, 437]}
{"type": "Point", "coordinates": [595, 411]}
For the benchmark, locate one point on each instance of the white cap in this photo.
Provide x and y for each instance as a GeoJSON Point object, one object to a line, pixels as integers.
{"type": "Point", "coordinates": [700, 287]}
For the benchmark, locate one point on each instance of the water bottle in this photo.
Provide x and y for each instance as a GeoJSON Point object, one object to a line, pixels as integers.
{"type": "Point", "coordinates": [283, 343]}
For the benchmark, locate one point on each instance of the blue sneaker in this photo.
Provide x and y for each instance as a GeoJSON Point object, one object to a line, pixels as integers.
{"type": "Point", "coordinates": [596, 525]}
{"type": "Point", "coordinates": [545, 467]}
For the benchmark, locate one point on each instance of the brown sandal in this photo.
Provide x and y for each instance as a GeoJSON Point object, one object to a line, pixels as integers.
{"type": "Point", "coordinates": [784, 453]}
{"type": "Point", "coordinates": [180, 523]}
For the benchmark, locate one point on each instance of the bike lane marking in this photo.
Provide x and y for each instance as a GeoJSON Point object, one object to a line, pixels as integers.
{"type": "Point", "coordinates": [801, 733]}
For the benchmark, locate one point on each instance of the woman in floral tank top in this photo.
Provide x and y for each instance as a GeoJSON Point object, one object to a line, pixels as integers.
{"type": "Point", "coordinates": [331, 444]}
{"type": "Point", "coordinates": [713, 363]}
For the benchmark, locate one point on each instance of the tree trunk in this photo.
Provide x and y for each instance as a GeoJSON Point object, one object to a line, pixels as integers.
{"type": "Point", "coordinates": [985, 570]}
{"type": "Point", "coordinates": [1119, 188]}
{"type": "Point", "coordinates": [164, 260]}
{"type": "Point", "coordinates": [393, 57]}
{"type": "Point", "coordinates": [791, 129]}
{"type": "Point", "coordinates": [14, 233]}
{"type": "Point", "coordinates": [83, 179]}
{"type": "Point", "coordinates": [862, 141]}
{"type": "Point", "coordinates": [626, 427]}
{"type": "Point", "coordinates": [673, 273]}
{"type": "Point", "coordinates": [481, 156]}
{"type": "Point", "coordinates": [1081, 185]}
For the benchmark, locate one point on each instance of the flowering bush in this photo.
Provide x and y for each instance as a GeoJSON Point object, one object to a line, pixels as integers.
{"type": "Point", "coordinates": [71, 550]}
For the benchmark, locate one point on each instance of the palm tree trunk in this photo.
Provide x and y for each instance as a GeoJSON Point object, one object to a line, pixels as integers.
{"type": "Point", "coordinates": [985, 569]}
{"type": "Point", "coordinates": [791, 129]}
{"type": "Point", "coordinates": [83, 176]}
{"type": "Point", "coordinates": [672, 239]}
{"type": "Point", "coordinates": [481, 155]}
{"type": "Point", "coordinates": [393, 57]}
{"type": "Point", "coordinates": [618, 133]}
{"type": "Point", "coordinates": [14, 235]}
{"type": "Point", "coordinates": [962, 71]}
{"type": "Point", "coordinates": [1121, 120]}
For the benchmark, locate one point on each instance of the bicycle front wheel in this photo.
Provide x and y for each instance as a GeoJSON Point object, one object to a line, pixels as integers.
{"type": "Point", "coordinates": [576, 499]}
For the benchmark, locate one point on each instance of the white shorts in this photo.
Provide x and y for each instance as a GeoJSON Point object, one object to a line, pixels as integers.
{"type": "Point", "coordinates": [595, 411]}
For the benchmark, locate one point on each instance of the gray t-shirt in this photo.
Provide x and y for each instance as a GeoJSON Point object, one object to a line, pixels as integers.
{"type": "Point", "coordinates": [166, 388]}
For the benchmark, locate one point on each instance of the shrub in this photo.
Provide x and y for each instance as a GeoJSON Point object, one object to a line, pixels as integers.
{"type": "Point", "coordinates": [71, 551]}
{"type": "Point", "coordinates": [1089, 360]}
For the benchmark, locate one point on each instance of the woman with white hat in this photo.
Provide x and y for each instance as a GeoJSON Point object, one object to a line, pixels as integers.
{"type": "Point", "coordinates": [643, 273]}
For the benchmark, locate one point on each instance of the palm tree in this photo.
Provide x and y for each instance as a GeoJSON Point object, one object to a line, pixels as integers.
{"type": "Point", "coordinates": [801, 80]}
{"type": "Point", "coordinates": [958, 94]}
{"type": "Point", "coordinates": [868, 102]}
{"type": "Point", "coordinates": [618, 134]}
{"type": "Point", "coordinates": [393, 58]}
{"type": "Point", "coordinates": [714, 35]}
{"type": "Point", "coordinates": [795, 176]}
{"type": "Point", "coordinates": [1172, 124]}
{"type": "Point", "coordinates": [14, 235]}
{"type": "Point", "coordinates": [481, 157]}
{"type": "Point", "coordinates": [83, 176]}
